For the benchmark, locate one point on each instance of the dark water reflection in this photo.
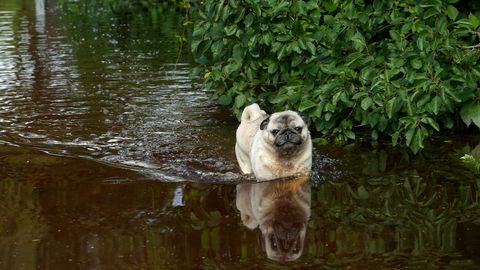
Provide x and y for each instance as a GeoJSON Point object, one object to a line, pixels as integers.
{"type": "Point", "coordinates": [281, 210]}
{"type": "Point", "coordinates": [99, 126]}
{"type": "Point", "coordinates": [108, 90]}
{"type": "Point", "coordinates": [70, 213]}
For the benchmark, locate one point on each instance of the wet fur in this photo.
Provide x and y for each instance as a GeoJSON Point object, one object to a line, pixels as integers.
{"type": "Point", "coordinates": [257, 148]}
{"type": "Point", "coordinates": [252, 117]}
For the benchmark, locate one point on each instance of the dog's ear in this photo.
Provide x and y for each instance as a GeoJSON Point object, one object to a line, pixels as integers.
{"type": "Point", "coordinates": [264, 123]}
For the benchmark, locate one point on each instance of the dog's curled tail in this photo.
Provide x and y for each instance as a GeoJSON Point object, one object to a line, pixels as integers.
{"type": "Point", "coordinates": [252, 112]}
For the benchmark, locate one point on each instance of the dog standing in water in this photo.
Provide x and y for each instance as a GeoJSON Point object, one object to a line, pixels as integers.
{"type": "Point", "coordinates": [274, 146]}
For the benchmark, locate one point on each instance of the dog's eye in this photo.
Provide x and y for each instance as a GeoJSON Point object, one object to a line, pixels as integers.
{"type": "Point", "coordinates": [298, 129]}
{"type": "Point", "coordinates": [275, 132]}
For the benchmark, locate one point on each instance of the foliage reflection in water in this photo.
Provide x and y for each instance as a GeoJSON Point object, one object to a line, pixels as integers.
{"type": "Point", "coordinates": [60, 212]}
{"type": "Point", "coordinates": [80, 93]}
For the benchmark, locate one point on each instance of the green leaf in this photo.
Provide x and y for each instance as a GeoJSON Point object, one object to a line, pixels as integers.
{"type": "Point", "coordinates": [283, 38]}
{"type": "Point", "coordinates": [329, 19]}
{"type": "Point", "coordinates": [417, 141]}
{"type": "Point", "coordinates": [416, 63]}
{"type": "Point", "coordinates": [397, 62]}
{"type": "Point", "coordinates": [202, 60]}
{"type": "Point", "coordinates": [272, 67]}
{"type": "Point", "coordinates": [382, 123]}
{"type": "Point", "coordinates": [350, 134]}
{"type": "Point", "coordinates": [354, 58]}
{"type": "Point", "coordinates": [420, 43]}
{"type": "Point", "coordinates": [471, 113]}
{"type": "Point", "coordinates": [224, 100]}
{"type": "Point", "coordinates": [471, 162]}
{"type": "Point", "coordinates": [297, 60]}
{"type": "Point", "coordinates": [390, 107]}
{"type": "Point", "coordinates": [366, 103]}
{"type": "Point", "coordinates": [336, 98]}
{"type": "Point", "coordinates": [409, 135]}
{"type": "Point", "coordinates": [435, 104]}
{"type": "Point", "coordinates": [441, 25]}
{"type": "Point", "coordinates": [282, 52]}
{"type": "Point", "coordinates": [452, 12]}
{"type": "Point", "coordinates": [268, 38]}
{"type": "Point", "coordinates": [358, 41]}
{"type": "Point", "coordinates": [406, 27]}
{"type": "Point", "coordinates": [362, 193]}
{"type": "Point", "coordinates": [217, 47]}
{"type": "Point", "coordinates": [238, 53]}
{"type": "Point", "coordinates": [311, 47]}
{"type": "Point", "coordinates": [233, 3]}
{"type": "Point", "coordinates": [295, 47]}
{"type": "Point", "coordinates": [432, 123]}
{"type": "Point", "coordinates": [195, 44]}
{"type": "Point", "coordinates": [377, 5]}
{"type": "Point", "coordinates": [409, 106]}
{"type": "Point", "coordinates": [240, 101]}
{"type": "Point", "coordinates": [473, 20]}
{"type": "Point", "coordinates": [359, 95]}
{"type": "Point", "coordinates": [306, 104]}
{"type": "Point", "coordinates": [231, 67]}
{"type": "Point", "coordinates": [452, 95]}
{"type": "Point", "coordinates": [330, 6]}
{"type": "Point", "coordinates": [279, 98]}
{"type": "Point", "coordinates": [256, 8]}
{"type": "Point", "coordinates": [231, 29]}
{"type": "Point", "coordinates": [280, 7]}
{"type": "Point", "coordinates": [328, 116]}
{"type": "Point", "coordinates": [395, 137]}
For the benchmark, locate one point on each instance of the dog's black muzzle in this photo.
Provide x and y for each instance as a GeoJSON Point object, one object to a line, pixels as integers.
{"type": "Point", "coordinates": [287, 136]}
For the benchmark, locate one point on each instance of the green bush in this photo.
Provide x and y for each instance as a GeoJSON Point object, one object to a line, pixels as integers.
{"type": "Point", "coordinates": [404, 69]}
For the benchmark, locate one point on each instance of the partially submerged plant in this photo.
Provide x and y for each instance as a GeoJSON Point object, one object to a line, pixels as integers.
{"type": "Point", "coordinates": [471, 162]}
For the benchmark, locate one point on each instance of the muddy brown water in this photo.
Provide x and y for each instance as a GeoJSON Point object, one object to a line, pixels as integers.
{"type": "Point", "coordinates": [113, 157]}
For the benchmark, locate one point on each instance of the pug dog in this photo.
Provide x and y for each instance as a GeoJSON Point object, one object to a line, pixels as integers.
{"type": "Point", "coordinates": [281, 210]}
{"type": "Point", "coordinates": [274, 146]}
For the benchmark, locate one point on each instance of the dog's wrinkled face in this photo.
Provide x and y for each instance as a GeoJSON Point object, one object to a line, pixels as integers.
{"type": "Point", "coordinates": [284, 241]}
{"type": "Point", "coordinates": [283, 236]}
{"type": "Point", "coordinates": [285, 131]}
{"type": "Point", "coordinates": [281, 210]}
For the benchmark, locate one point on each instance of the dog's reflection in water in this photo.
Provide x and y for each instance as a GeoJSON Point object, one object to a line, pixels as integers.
{"type": "Point", "coordinates": [281, 210]}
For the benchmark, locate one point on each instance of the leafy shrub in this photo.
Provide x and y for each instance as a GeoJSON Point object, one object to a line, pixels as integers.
{"type": "Point", "coordinates": [405, 69]}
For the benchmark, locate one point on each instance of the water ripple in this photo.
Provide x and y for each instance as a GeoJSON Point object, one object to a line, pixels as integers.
{"type": "Point", "coordinates": [93, 97]}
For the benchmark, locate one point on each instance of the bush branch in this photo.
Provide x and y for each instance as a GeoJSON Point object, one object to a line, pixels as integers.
{"type": "Point", "coordinates": [475, 46]}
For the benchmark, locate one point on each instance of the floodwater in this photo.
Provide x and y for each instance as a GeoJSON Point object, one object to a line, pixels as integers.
{"type": "Point", "coordinates": [113, 157]}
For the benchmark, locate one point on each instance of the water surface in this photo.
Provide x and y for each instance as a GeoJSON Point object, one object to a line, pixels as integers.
{"type": "Point", "coordinates": [113, 157]}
